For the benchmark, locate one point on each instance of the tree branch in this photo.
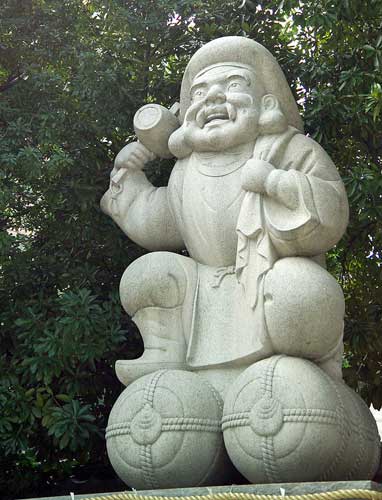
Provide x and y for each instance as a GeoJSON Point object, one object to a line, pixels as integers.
{"type": "Point", "coordinates": [11, 81]}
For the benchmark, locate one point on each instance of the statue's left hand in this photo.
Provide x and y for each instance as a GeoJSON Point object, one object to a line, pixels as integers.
{"type": "Point", "coordinates": [254, 175]}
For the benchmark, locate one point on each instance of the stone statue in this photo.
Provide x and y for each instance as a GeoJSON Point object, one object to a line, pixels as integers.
{"type": "Point", "coordinates": [255, 203]}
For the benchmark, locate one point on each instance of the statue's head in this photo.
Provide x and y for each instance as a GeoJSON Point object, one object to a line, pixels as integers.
{"type": "Point", "coordinates": [232, 91]}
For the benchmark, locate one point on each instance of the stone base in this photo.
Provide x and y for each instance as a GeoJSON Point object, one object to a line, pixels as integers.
{"type": "Point", "coordinates": [259, 489]}
{"type": "Point", "coordinates": [270, 489]}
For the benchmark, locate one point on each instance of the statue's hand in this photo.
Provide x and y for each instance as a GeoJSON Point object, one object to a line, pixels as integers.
{"type": "Point", "coordinates": [134, 156]}
{"type": "Point", "coordinates": [254, 175]}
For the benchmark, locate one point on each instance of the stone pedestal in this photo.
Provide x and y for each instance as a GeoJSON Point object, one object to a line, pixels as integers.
{"type": "Point", "coordinates": [287, 489]}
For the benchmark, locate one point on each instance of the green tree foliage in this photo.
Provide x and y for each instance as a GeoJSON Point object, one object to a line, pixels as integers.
{"type": "Point", "coordinates": [72, 75]}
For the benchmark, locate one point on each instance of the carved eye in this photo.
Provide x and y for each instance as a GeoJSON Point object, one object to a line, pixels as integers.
{"type": "Point", "coordinates": [235, 86]}
{"type": "Point", "coordinates": [198, 94]}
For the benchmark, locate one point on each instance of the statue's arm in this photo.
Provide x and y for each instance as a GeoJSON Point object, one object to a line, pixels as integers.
{"type": "Point", "coordinates": [141, 210]}
{"type": "Point", "coordinates": [306, 208]}
{"type": "Point", "coordinates": [313, 189]}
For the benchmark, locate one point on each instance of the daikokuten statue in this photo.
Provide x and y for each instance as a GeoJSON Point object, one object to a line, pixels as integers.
{"type": "Point", "coordinates": [256, 204]}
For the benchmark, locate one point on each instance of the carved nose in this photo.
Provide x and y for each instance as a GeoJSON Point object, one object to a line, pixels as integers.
{"type": "Point", "coordinates": [215, 94]}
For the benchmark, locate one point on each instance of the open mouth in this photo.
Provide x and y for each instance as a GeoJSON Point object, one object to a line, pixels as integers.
{"type": "Point", "coordinates": [216, 117]}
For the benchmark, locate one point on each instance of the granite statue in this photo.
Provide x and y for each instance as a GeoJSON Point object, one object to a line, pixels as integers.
{"type": "Point", "coordinates": [256, 204]}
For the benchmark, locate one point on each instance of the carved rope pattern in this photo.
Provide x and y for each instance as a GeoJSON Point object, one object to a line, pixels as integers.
{"type": "Point", "coordinates": [316, 415]}
{"type": "Point", "coordinates": [191, 427]}
{"type": "Point", "coordinates": [235, 420]}
{"type": "Point", "coordinates": [147, 466]}
{"type": "Point", "coordinates": [268, 453]}
{"type": "Point", "coordinates": [170, 424]}
{"type": "Point", "coordinates": [366, 432]}
{"type": "Point", "coordinates": [357, 431]}
{"type": "Point", "coordinates": [341, 419]}
{"type": "Point", "coordinates": [216, 395]}
{"type": "Point", "coordinates": [267, 379]}
{"type": "Point", "coordinates": [267, 448]}
{"type": "Point", "coordinates": [191, 424]}
{"type": "Point", "coordinates": [316, 419]}
{"type": "Point", "coordinates": [146, 459]}
{"type": "Point", "coordinates": [122, 428]}
{"type": "Point", "coordinates": [357, 464]}
{"type": "Point", "coordinates": [151, 385]}
{"type": "Point", "coordinates": [326, 476]}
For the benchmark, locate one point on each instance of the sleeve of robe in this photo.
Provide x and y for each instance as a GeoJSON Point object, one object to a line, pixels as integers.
{"type": "Point", "coordinates": [143, 213]}
{"type": "Point", "coordinates": [305, 207]}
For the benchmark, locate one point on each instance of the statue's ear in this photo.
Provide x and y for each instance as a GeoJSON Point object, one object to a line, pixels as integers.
{"type": "Point", "coordinates": [269, 102]}
{"type": "Point", "coordinates": [177, 145]}
{"type": "Point", "coordinates": [272, 119]}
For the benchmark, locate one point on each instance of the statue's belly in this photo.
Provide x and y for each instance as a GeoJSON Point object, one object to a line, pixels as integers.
{"type": "Point", "coordinates": [211, 208]}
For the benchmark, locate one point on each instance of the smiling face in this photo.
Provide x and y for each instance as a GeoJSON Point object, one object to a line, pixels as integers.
{"type": "Point", "coordinates": [224, 112]}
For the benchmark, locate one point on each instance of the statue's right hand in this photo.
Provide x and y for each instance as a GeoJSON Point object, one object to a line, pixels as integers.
{"type": "Point", "coordinates": [133, 156]}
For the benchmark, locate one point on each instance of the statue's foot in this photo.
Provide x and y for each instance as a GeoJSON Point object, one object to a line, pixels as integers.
{"type": "Point", "coordinates": [128, 370]}
{"type": "Point", "coordinates": [159, 353]}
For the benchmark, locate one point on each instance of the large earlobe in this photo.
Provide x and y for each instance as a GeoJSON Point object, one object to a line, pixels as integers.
{"type": "Point", "coordinates": [272, 119]}
{"type": "Point", "coordinates": [177, 144]}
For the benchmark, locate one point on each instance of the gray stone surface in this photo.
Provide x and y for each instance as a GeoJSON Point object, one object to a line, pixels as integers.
{"type": "Point", "coordinates": [320, 430]}
{"type": "Point", "coordinates": [256, 204]}
{"type": "Point", "coordinates": [273, 489]}
{"type": "Point", "coordinates": [167, 425]}
{"type": "Point", "coordinates": [254, 201]}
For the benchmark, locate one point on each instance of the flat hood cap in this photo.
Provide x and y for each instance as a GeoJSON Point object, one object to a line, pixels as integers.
{"type": "Point", "coordinates": [241, 50]}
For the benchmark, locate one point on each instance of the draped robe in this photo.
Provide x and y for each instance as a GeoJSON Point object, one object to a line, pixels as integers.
{"type": "Point", "coordinates": [236, 236]}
